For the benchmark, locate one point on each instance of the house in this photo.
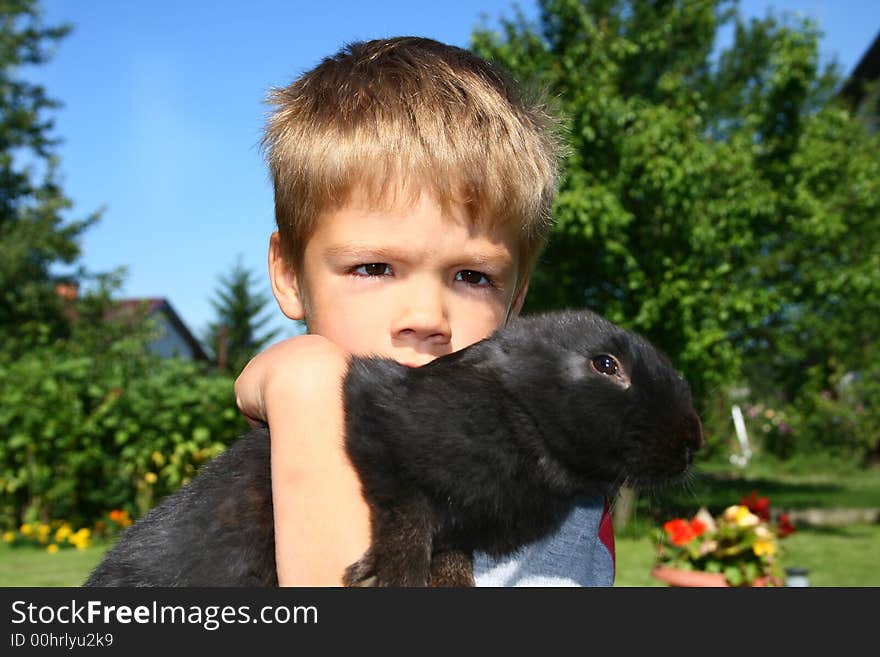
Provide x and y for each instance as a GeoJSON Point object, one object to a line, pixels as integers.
{"type": "Point", "coordinates": [175, 339]}
{"type": "Point", "coordinates": [862, 88]}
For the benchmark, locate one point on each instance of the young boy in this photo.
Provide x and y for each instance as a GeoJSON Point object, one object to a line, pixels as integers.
{"type": "Point", "coordinates": [412, 195]}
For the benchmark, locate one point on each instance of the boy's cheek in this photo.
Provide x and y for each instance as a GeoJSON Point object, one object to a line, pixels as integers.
{"type": "Point", "coordinates": [351, 329]}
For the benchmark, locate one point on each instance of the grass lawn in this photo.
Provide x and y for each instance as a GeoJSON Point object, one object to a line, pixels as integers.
{"type": "Point", "coordinates": [839, 556]}
{"type": "Point", "coordinates": [31, 566]}
{"type": "Point", "coordinates": [835, 556]}
{"type": "Point", "coordinates": [815, 483]}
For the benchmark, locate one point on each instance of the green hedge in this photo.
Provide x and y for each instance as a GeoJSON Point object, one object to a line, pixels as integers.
{"type": "Point", "coordinates": [81, 434]}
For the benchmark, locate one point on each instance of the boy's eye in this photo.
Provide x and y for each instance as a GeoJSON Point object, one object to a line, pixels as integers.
{"type": "Point", "coordinates": [472, 277]}
{"type": "Point", "coordinates": [372, 269]}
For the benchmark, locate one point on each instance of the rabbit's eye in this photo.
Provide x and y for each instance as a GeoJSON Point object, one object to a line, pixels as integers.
{"type": "Point", "coordinates": [605, 364]}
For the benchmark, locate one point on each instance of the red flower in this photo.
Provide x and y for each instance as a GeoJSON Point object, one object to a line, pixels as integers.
{"type": "Point", "coordinates": [682, 532]}
{"type": "Point", "coordinates": [698, 527]}
{"type": "Point", "coordinates": [760, 506]}
{"type": "Point", "coordinates": [786, 527]}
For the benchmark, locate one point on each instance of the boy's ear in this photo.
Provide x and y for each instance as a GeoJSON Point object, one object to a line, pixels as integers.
{"type": "Point", "coordinates": [517, 304]}
{"type": "Point", "coordinates": [285, 285]}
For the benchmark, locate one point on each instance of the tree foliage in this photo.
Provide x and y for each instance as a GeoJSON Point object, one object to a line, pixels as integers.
{"type": "Point", "coordinates": [719, 200]}
{"type": "Point", "coordinates": [34, 236]}
{"type": "Point", "coordinates": [89, 420]}
{"type": "Point", "coordinates": [240, 318]}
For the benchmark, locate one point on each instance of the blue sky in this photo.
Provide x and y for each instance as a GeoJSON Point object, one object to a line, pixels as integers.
{"type": "Point", "coordinates": [163, 107]}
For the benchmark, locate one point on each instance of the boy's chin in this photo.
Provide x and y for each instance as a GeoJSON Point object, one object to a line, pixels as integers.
{"type": "Point", "coordinates": [406, 359]}
{"type": "Point", "coordinates": [412, 360]}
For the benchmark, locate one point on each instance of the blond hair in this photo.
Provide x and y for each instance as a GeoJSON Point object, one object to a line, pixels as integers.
{"type": "Point", "coordinates": [420, 115]}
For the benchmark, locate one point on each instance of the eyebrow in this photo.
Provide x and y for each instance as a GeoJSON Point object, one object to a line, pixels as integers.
{"type": "Point", "coordinates": [354, 249]}
{"type": "Point", "coordinates": [498, 258]}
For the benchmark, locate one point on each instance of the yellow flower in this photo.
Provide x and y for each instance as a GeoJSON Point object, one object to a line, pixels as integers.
{"type": "Point", "coordinates": [52, 549]}
{"type": "Point", "coordinates": [63, 532]}
{"type": "Point", "coordinates": [43, 533]}
{"type": "Point", "coordinates": [151, 478]}
{"type": "Point", "coordinates": [9, 536]}
{"type": "Point", "coordinates": [764, 547]}
{"type": "Point", "coordinates": [740, 516]}
{"type": "Point", "coordinates": [158, 458]}
{"type": "Point", "coordinates": [81, 539]}
{"type": "Point", "coordinates": [745, 518]}
{"type": "Point", "coordinates": [26, 529]}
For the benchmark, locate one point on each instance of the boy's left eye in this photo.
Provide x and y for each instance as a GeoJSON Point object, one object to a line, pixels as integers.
{"type": "Point", "coordinates": [472, 277]}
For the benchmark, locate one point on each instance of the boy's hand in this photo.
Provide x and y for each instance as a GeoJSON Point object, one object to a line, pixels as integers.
{"type": "Point", "coordinates": [266, 371]}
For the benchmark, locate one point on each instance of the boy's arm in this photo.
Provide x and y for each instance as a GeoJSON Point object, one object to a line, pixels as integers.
{"type": "Point", "coordinates": [322, 522]}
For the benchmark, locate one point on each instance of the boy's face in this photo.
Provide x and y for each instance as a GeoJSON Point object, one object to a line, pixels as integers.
{"type": "Point", "coordinates": [411, 283]}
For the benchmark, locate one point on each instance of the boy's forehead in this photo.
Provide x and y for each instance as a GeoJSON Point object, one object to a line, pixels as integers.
{"type": "Point", "coordinates": [404, 221]}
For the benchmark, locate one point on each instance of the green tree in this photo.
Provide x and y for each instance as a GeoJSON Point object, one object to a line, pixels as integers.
{"type": "Point", "coordinates": [240, 319]}
{"type": "Point", "coordinates": [90, 420]}
{"type": "Point", "coordinates": [34, 236]}
{"type": "Point", "coordinates": [723, 204]}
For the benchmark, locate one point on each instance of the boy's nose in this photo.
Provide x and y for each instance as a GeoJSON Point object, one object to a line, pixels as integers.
{"type": "Point", "coordinates": [422, 317]}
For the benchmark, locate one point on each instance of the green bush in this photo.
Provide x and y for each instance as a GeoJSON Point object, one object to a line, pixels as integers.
{"type": "Point", "coordinates": [840, 414]}
{"type": "Point", "coordinates": [835, 413]}
{"type": "Point", "coordinates": [83, 433]}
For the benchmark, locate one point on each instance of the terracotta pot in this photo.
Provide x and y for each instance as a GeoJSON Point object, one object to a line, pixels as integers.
{"type": "Point", "coordinates": [698, 578]}
{"type": "Point", "coordinates": [676, 577]}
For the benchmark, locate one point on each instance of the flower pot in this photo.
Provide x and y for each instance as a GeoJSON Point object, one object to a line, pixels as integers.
{"type": "Point", "coordinates": [699, 578]}
{"type": "Point", "coordinates": [677, 577]}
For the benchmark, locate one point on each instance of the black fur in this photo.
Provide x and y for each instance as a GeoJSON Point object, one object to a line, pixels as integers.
{"type": "Point", "coordinates": [484, 449]}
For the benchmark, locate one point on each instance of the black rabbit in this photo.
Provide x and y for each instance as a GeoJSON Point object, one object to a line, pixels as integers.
{"type": "Point", "coordinates": [484, 449]}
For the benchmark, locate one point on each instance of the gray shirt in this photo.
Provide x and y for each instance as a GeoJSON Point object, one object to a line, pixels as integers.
{"type": "Point", "coordinates": [579, 553]}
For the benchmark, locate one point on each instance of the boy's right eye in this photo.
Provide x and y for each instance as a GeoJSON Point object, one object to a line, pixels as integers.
{"type": "Point", "coordinates": [372, 269]}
